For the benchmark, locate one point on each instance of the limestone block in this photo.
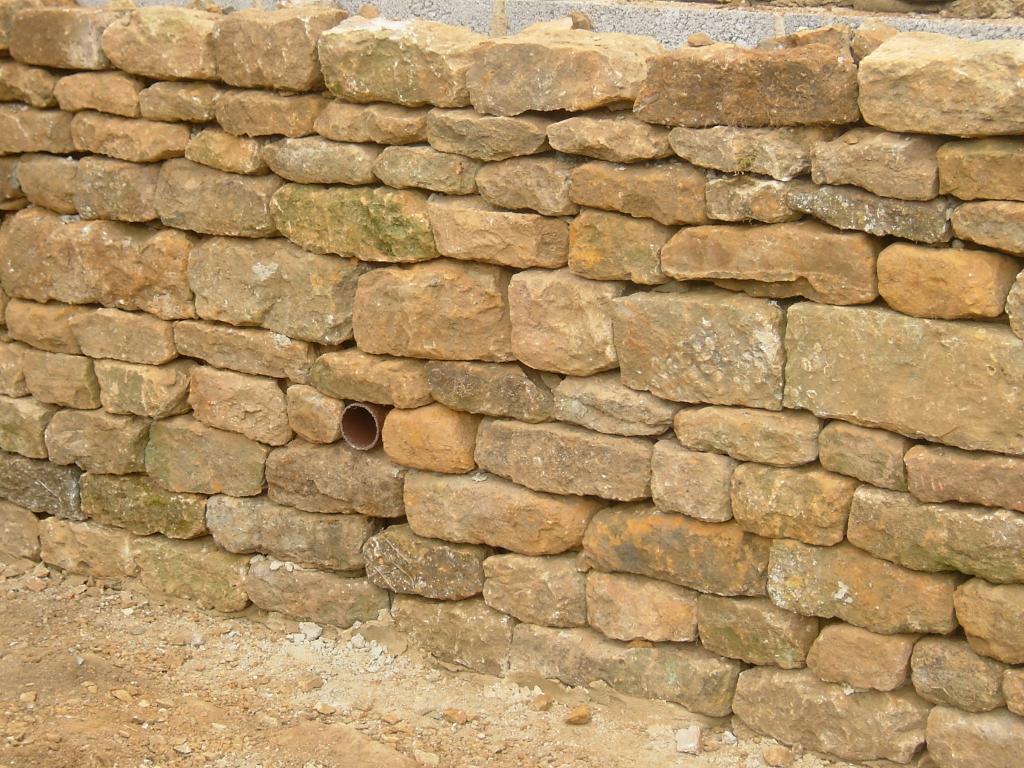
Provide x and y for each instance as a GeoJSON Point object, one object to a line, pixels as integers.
{"type": "Point", "coordinates": [426, 168]}
{"type": "Point", "coordinates": [98, 442]}
{"type": "Point", "coordinates": [253, 406]}
{"type": "Point", "coordinates": [264, 113]}
{"type": "Point", "coordinates": [668, 192]}
{"type": "Point", "coordinates": [32, 85]}
{"type": "Point", "coordinates": [63, 38]}
{"type": "Point", "coordinates": [50, 326]}
{"type": "Point", "coordinates": [48, 181]}
{"type": "Point", "coordinates": [690, 482]}
{"type": "Point", "coordinates": [614, 137]}
{"type": "Point", "coordinates": [373, 123]}
{"type": "Point", "coordinates": [163, 43]}
{"type": "Point", "coordinates": [887, 164]}
{"type": "Point", "coordinates": [936, 473]}
{"type": "Point", "coordinates": [872, 455]}
{"type": "Point", "coordinates": [24, 129]}
{"type": "Point", "coordinates": [105, 188]}
{"type": "Point", "coordinates": [781, 153]}
{"type": "Point", "coordinates": [87, 548]}
{"type": "Point", "coordinates": [314, 417]}
{"type": "Point", "coordinates": [996, 224]}
{"type": "Point", "coordinates": [218, 149]}
{"type": "Point", "coordinates": [538, 184]}
{"type": "Point", "coordinates": [751, 198]}
{"type": "Point", "coordinates": [40, 486]}
{"type": "Point", "coordinates": [116, 93]}
{"type": "Point", "coordinates": [156, 391]}
{"type": "Point", "coordinates": [491, 389]}
{"type": "Point", "coordinates": [400, 561]}
{"type": "Point", "coordinates": [992, 616]}
{"type": "Point", "coordinates": [432, 437]}
{"type": "Point", "coordinates": [12, 369]}
{"type": "Point", "coordinates": [548, 591]}
{"type": "Point", "coordinates": [754, 630]}
{"type": "Point", "coordinates": [138, 503]}
{"type": "Point", "coordinates": [622, 606]}
{"type": "Point", "coordinates": [192, 570]}
{"type": "Point", "coordinates": [610, 246]}
{"type": "Point", "coordinates": [138, 141]}
{"type": "Point", "coordinates": [186, 102]}
{"type": "Point", "coordinates": [847, 654]}
{"type": "Point", "coordinates": [486, 137]}
{"type": "Point", "coordinates": [946, 671]}
{"type": "Point", "coordinates": [353, 375]}
{"type": "Point", "coordinates": [68, 380]}
{"type": "Point", "coordinates": [602, 403]}
{"type": "Point", "coordinates": [981, 169]}
{"type": "Point", "coordinates": [315, 160]}
{"type": "Point", "coordinates": [247, 350]}
{"type": "Point", "coordinates": [23, 423]}
{"type": "Point", "coordinates": [19, 531]}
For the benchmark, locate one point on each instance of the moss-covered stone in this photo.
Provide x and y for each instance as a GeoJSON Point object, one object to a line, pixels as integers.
{"type": "Point", "coordinates": [137, 503]}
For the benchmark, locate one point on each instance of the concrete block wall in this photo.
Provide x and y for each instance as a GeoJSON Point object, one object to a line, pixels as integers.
{"type": "Point", "coordinates": [698, 372]}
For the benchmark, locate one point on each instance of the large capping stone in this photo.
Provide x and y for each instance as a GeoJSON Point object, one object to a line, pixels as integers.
{"type": "Point", "coordinates": [809, 84]}
{"type": "Point", "coordinates": [40, 486]}
{"type": "Point", "coordinates": [683, 673]}
{"type": "Point", "coordinates": [187, 102]}
{"type": "Point", "coordinates": [254, 48]}
{"type": "Point", "coordinates": [562, 322]}
{"type": "Point", "coordinates": [163, 43]}
{"type": "Point", "coordinates": [194, 570]}
{"type": "Point", "coordinates": [315, 160]}
{"type": "Point", "coordinates": [276, 285]}
{"type": "Point", "coordinates": [97, 441]}
{"type": "Point", "coordinates": [433, 437]}
{"type": "Point", "coordinates": [807, 503]}
{"type": "Point", "coordinates": [253, 406]}
{"type": "Point", "coordinates": [938, 537]}
{"type": "Point", "coordinates": [871, 455]}
{"type": "Point", "coordinates": [192, 196]}
{"type": "Point", "coordinates": [19, 531]}
{"type": "Point", "coordinates": [185, 455]}
{"type": "Point", "coordinates": [412, 62]}
{"type": "Point", "coordinates": [797, 708]}
{"type": "Point", "coordinates": [935, 473]}
{"type": "Point", "coordinates": [350, 374]}
{"type": "Point", "coordinates": [919, 82]}
{"type": "Point", "coordinates": [668, 192]}
{"type": "Point", "coordinates": [156, 391]}
{"type": "Point", "coordinates": [552, 70]}
{"type": "Point", "coordinates": [486, 137]}
{"type": "Point", "coordinates": [471, 229]}
{"type": "Point", "coordinates": [704, 345]}
{"type": "Point", "coordinates": [400, 561]}
{"type": "Point", "coordinates": [484, 509]}
{"type": "Point", "coordinates": [946, 671]}
{"type": "Point", "coordinates": [247, 350]}
{"type": "Point", "coordinates": [961, 740]}
{"type": "Point", "coordinates": [887, 164]}
{"type": "Point", "coordinates": [784, 439]}
{"type": "Point", "coordinates": [602, 403]}
{"type": "Point", "coordinates": [45, 258]}
{"type": "Point", "coordinates": [441, 310]}
{"type": "Point", "coordinates": [23, 422]}
{"type": "Point", "coordinates": [550, 591]}
{"type": "Point", "coordinates": [609, 246]}
{"type": "Point", "coordinates": [491, 389]}
{"type": "Point", "coordinates": [720, 558]}
{"type": "Point", "coordinates": [778, 260]}
{"type": "Point", "coordinates": [384, 124]}
{"type": "Point", "coordinates": [847, 654]}
{"type": "Point", "coordinates": [131, 139]}
{"type": "Point", "coordinates": [24, 129]}
{"type": "Point", "coordinates": [369, 223]}
{"type": "Point", "coordinates": [623, 606]}
{"type": "Point", "coordinates": [781, 153]}
{"type": "Point", "coordinates": [309, 594]}
{"type": "Point", "coordinates": [981, 169]}
{"type": "Point", "coordinates": [847, 583]}
{"type": "Point", "coordinates": [994, 223]}
{"type": "Point", "coordinates": [63, 38]}
{"type": "Point", "coordinates": [336, 479]}
{"type": "Point", "coordinates": [106, 188]}
{"type": "Point", "coordinates": [463, 632]}
{"type": "Point", "coordinates": [32, 85]}
{"type": "Point", "coordinates": [559, 458]}
{"type": "Point", "coordinates": [992, 616]}
{"type": "Point", "coordinates": [113, 92]}
{"type": "Point", "coordinates": [614, 137]}
{"type": "Point", "coordinates": [138, 503]}
{"type": "Point", "coordinates": [258, 524]}
{"type": "Point", "coordinates": [691, 483]}
{"type": "Point", "coordinates": [755, 630]}
{"type": "Point", "coordinates": [87, 548]}
{"type": "Point", "coordinates": [922, 378]}
{"type": "Point", "coordinates": [266, 113]}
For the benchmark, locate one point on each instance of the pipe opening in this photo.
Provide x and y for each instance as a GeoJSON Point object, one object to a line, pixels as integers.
{"type": "Point", "coordinates": [361, 424]}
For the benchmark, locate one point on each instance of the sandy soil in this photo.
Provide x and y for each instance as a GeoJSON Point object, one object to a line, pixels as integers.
{"type": "Point", "coordinates": [104, 675]}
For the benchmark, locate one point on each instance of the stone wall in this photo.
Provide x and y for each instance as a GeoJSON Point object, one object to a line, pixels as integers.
{"type": "Point", "coordinates": [714, 391]}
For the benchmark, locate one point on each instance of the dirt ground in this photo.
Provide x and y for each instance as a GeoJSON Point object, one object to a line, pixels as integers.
{"type": "Point", "coordinates": [104, 675]}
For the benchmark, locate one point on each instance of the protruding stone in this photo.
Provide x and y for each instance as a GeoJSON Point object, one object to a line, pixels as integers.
{"type": "Point", "coordinates": [335, 478]}
{"type": "Point", "coordinates": [24, 129]}
{"type": "Point", "coordinates": [750, 198]}
{"type": "Point", "coordinates": [486, 137]}
{"type": "Point", "coordinates": [218, 149]}
{"type": "Point", "coordinates": [847, 654]}
{"type": "Point", "coordinates": [276, 285]}
{"type": "Point", "coordinates": [483, 509]}
{"type": "Point", "coordinates": [782, 153]}
{"type": "Point", "coordinates": [63, 38]}
{"type": "Point", "coordinates": [19, 531]}
{"type": "Point", "coordinates": [441, 310]}
{"type": "Point", "coordinates": [40, 486]}
{"type": "Point", "coordinates": [684, 673]}
{"type": "Point", "coordinates": [720, 558]}
{"type": "Point", "coordinates": [993, 223]}
{"type": "Point", "coordinates": [981, 169]}
{"type": "Point", "coordinates": [960, 740]}
{"type": "Point", "coordinates": [314, 160]}
{"type": "Point", "coordinates": [840, 360]}
{"type": "Point", "coordinates": [187, 102]}
{"type": "Point", "coordinates": [703, 345]}
{"type": "Point", "coordinates": [847, 583]}
{"type": "Point", "coordinates": [193, 570]}
{"type": "Point", "coordinates": [728, 85]}
{"type": "Point", "coordinates": [491, 389]}
{"type": "Point", "coordinates": [610, 246]}
{"type": "Point", "coordinates": [549, 591]}
{"type": "Point", "coordinates": [253, 406]}
{"type": "Point", "coordinates": [48, 181]}
{"type": "Point", "coordinates": [936, 473]}
{"type": "Point", "coordinates": [137, 141]}
{"type": "Point", "coordinates": [614, 137]}
{"type": "Point", "coordinates": [692, 483]}
{"type": "Point", "coordinates": [185, 455]}
{"type": "Point", "coordinates": [98, 441]}
{"type": "Point", "coordinates": [433, 437]}
{"type": "Point", "coordinates": [106, 188]}
{"type": "Point", "coordinates": [163, 43]}
{"type": "Point", "coordinates": [87, 548]}
{"type": "Point", "coordinates": [754, 630]}
{"type": "Point", "coordinates": [350, 374]}
{"type": "Point", "coordinates": [156, 391]}
{"type": "Point", "coordinates": [358, 54]}
{"type": "Point", "coordinates": [558, 458]}
{"type": "Point", "coordinates": [992, 616]}
{"type": "Point", "coordinates": [248, 350]}
{"type": "Point", "coordinates": [798, 259]}
{"type": "Point", "coordinates": [67, 380]}
{"type": "Point", "coordinates": [113, 92]}
{"type": "Point", "coordinates": [467, 632]}
{"type": "Point", "coordinates": [797, 708]}
{"type": "Point", "coordinates": [562, 322]}
{"type": "Point", "coordinates": [264, 113]}
{"type": "Point", "coordinates": [471, 229]}
{"type": "Point", "coordinates": [314, 416]}
{"type": "Point", "coordinates": [400, 561]}
{"type": "Point", "coordinates": [23, 423]}
{"type": "Point", "coordinates": [872, 455]}
{"type": "Point", "coordinates": [257, 524]}
{"type": "Point", "coordinates": [919, 81]}
{"type": "Point", "coordinates": [138, 503]}
{"type": "Point", "coordinates": [564, 69]}
{"type": "Point", "coordinates": [370, 223]}
{"type": "Point", "coordinates": [946, 671]}
{"type": "Point", "coordinates": [309, 594]}
{"type": "Point", "coordinates": [255, 48]}
{"type": "Point", "coordinates": [373, 123]}
{"type": "Point", "coordinates": [887, 164]}
{"type": "Point", "coordinates": [668, 192]}
{"type": "Point", "coordinates": [626, 607]}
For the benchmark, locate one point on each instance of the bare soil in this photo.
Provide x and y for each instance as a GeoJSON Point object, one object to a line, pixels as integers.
{"type": "Point", "coordinates": [95, 674]}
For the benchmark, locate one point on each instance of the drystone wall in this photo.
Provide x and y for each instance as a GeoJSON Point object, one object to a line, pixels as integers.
{"type": "Point", "coordinates": [714, 391]}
